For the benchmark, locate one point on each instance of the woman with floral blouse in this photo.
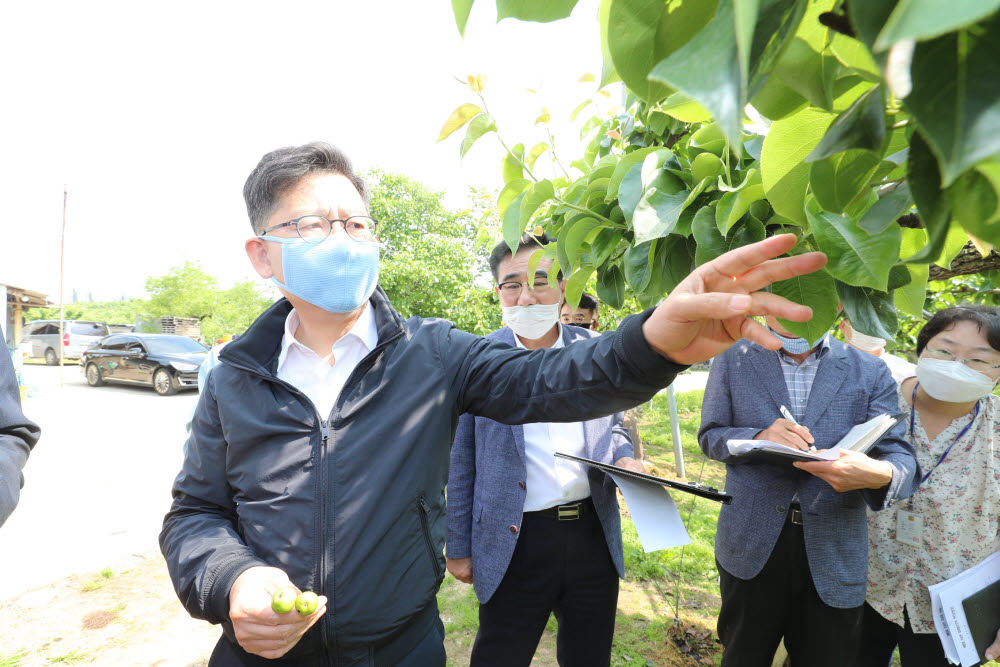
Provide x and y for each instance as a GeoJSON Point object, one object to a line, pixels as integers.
{"type": "Point", "coordinates": [950, 524]}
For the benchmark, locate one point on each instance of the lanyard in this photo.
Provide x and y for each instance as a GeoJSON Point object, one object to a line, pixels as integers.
{"type": "Point", "coordinates": [958, 437]}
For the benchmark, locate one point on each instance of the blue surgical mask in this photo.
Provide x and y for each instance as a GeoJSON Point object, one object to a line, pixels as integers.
{"type": "Point", "coordinates": [795, 345]}
{"type": "Point", "coordinates": [338, 275]}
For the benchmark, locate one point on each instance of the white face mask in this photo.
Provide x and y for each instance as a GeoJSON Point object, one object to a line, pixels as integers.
{"type": "Point", "coordinates": [531, 322]}
{"type": "Point", "coordinates": [862, 341]}
{"type": "Point", "coordinates": [952, 381]}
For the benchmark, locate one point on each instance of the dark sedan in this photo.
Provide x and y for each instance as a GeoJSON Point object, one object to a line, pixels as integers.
{"type": "Point", "coordinates": [163, 361]}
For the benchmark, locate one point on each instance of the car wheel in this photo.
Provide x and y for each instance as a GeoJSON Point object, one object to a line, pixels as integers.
{"type": "Point", "coordinates": [163, 383]}
{"type": "Point", "coordinates": [94, 378]}
{"type": "Point", "coordinates": [51, 358]}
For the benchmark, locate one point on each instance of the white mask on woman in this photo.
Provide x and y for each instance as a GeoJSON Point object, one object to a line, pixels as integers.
{"type": "Point", "coordinates": [531, 322]}
{"type": "Point", "coordinates": [952, 381]}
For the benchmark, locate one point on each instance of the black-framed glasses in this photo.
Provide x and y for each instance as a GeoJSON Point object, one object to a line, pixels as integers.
{"type": "Point", "coordinates": [315, 228]}
{"type": "Point", "coordinates": [511, 290]}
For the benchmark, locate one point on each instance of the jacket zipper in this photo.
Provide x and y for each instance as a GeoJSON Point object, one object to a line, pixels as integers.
{"type": "Point", "coordinates": [328, 618]}
{"type": "Point", "coordinates": [424, 512]}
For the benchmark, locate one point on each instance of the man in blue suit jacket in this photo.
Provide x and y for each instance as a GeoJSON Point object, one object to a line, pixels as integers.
{"type": "Point", "coordinates": [792, 548]}
{"type": "Point", "coordinates": [535, 534]}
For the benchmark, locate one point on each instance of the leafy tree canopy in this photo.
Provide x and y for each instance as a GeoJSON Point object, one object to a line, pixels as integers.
{"type": "Point", "coordinates": [431, 264]}
{"type": "Point", "coordinates": [184, 291]}
{"type": "Point", "coordinates": [870, 128]}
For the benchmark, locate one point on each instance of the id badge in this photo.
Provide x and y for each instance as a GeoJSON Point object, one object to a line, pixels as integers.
{"type": "Point", "coordinates": [909, 528]}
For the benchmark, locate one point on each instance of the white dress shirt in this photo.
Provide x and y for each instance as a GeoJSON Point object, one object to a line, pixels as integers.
{"type": "Point", "coordinates": [552, 481]}
{"type": "Point", "coordinates": [301, 367]}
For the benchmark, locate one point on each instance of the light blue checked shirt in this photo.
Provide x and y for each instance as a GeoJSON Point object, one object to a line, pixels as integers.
{"type": "Point", "coordinates": [799, 377]}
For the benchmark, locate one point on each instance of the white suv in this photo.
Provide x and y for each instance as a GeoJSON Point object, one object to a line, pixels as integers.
{"type": "Point", "coordinates": [44, 339]}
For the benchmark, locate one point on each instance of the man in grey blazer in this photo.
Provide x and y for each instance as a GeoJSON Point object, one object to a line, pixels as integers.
{"type": "Point", "coordinates": [535, 534]}
{"type": "Point", "coordinates": [792, 548]}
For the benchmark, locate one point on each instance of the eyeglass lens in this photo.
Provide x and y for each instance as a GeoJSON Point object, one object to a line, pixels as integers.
{"type": "Point", "coordinates": [317, 228]}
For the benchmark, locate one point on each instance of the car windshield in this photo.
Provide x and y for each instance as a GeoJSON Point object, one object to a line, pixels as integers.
{"type": "Point", "coordinates": [174, 345]}
{"type": "Point", "coordinates": [89, 328]}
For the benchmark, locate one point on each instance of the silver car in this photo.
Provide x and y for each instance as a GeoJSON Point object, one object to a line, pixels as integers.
{"type": "Point", "coordinates": [45, 339]}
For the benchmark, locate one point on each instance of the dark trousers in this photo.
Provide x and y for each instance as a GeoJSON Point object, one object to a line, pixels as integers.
{"type": "Point", "coordinates": [428, 653]}
{"type": "Point", "coordinates": [880, 636]}
{"type": "Point", "coordinates": [779, 602]}
{"type": "Point", "coordinates": [558, 566]}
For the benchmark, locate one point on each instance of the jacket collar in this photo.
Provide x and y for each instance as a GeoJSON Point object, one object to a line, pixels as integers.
{"type": "Point", "coordinates": [259, 347]}
{"type": "Point", "coordinates": [829, 376]}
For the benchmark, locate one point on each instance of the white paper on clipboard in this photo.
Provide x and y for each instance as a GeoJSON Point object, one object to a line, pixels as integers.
{"type": "Point", "coordinates": [654, 514]}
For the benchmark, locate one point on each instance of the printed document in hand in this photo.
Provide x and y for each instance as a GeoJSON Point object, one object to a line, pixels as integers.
{"type": "Point", "coordinates": [950, 619]}
{"type": "Point", "coordinates": [861, 438]}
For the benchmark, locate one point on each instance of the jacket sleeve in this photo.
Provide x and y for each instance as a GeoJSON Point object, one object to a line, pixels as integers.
{"type": "Point", "coordinates": [18, 436]}
{"type": "Point", "coordinates": [893, 448]}
{"type": "Point", "coordinates": [717, 415]}
{"type": "Point", "coordinates": [199, 540]}
{"type": "Point", "coordinates": [588, 379]}
{"type": "Point", "coordinates": [621, 439]}
{"type": "Point", "coordinates": [461, 489]}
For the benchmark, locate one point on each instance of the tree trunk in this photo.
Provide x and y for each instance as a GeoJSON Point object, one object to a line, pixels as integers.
{"type": "Point", "coordinates": [968, 261]}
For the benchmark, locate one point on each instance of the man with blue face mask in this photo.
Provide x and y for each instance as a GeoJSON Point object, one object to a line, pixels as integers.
{"type": "Point", "coordinates": [319, 449]}
{"type": "Point", "coordinates": [792, 547]}
{"type": "Point", "coordinates": [566, 554]}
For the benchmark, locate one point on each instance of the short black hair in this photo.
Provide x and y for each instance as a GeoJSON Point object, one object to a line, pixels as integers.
{"type": "Point", "coordinates": [281, 169]}
{"type": "Point", "coordinates": [502, 250]}
{"type": "Point", "coordinates": [590, 303]}
{"type": "Point", "coordinates": [986, 318]}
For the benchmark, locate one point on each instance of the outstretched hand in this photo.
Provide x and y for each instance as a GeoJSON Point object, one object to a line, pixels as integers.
{"type": "Point", "coordinates": [710, 310]}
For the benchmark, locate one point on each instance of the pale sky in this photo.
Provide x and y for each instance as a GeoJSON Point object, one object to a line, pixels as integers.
{"type": "Point", "coordinates": [154, 114]}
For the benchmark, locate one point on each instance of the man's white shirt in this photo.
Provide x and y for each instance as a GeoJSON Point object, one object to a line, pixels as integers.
{"type": "Point", "coordinates": [306, 371]}
{"type": "Point", "coordinates": [552, 481]}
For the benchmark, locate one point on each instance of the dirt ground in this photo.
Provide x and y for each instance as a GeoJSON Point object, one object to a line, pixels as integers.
{"type": "Point", "coordinates": [127, 617]}
{"type": "Point", "coordinates": [131, 617]}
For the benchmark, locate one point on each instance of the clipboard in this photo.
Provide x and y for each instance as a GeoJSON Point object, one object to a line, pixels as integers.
{"type": "Point", "coordinates": [982, 613]}
{"type": "Point", "coordinates": [770, 452]}
{"type": "Point", "coordinates": [700, 490]}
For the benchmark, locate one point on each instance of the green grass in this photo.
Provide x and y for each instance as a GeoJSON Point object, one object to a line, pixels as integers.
{"type": "Point", "coordinates": [98, 581]}
{"type": "Point", "coordinates": [459, 606]}
{"type": "Point", "coordinates": [13, 660]}
{"type": "Point", "coordinates": [70, 658]}
{"type": "Point", "coordinates": [681, 582]}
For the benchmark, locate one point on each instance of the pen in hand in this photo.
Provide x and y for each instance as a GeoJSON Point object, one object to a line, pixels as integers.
{"type": "Point", "coordinates": [787, 414]}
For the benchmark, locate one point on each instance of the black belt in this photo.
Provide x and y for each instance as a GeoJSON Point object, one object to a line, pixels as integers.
{"type": "Point", "coordinates": [795, 514]}
{"type": "Point", "coordinates": [569, 512]}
